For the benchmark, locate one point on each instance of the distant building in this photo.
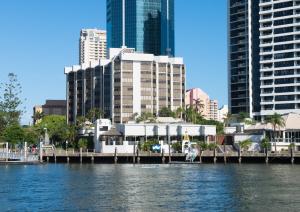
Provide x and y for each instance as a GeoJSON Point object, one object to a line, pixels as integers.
{"type": "Point", "coordinates": [52, 107]}
{"type": "Point", "coordinates": [92, 45]}
{"type": "Point", "coordinates": [145, 25]}
{"type": "Point", "coordinates": [128, 83]}
{"type": "Point", "coordinates": [213, 110]}
{"type": "Point", "coordinates": [207, 107]}
{"type": "Point", "coordinates": [222, 113]}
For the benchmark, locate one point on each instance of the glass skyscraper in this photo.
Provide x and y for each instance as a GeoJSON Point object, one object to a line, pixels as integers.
{"type": "Point", "coordinates": [149, 25]}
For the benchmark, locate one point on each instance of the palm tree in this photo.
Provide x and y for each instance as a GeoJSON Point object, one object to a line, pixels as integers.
{"type": "Point", "coordinates": [94, 114]}
{"type": "Point", "coordinates": [192, 115]}
{"type": "Point", "coordinates": [134, 116]}
{"type": "Point", "coordinates": [179, 112]}
{"type": "Point", "coordinates": [146, 116]}
{"type": "Point", "coordinates": [244, 145]}
{"type": "Point", "coordinates": [71, 134]}
{"type": "Point", "coordinates": [38, 116]}
{"type": "Point", "coordinates": [276, 120]}
{"type": "Point", "coordinates": [265, 144]}
{"type": "Point", "coordinates": [198, 105]}
{"type": "Point", "coordinates": [202, 147]}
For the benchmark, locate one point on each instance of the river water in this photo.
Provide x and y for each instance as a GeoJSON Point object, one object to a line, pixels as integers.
{"type": "Point", "coordinates": [231, 187]}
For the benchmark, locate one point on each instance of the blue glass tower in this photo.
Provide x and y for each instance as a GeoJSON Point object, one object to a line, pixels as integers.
{"type": "Point", "coordinates": [149, 25]}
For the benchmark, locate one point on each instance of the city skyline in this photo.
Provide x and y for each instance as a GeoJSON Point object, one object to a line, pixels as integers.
{"type": "Point", "coordinates": [49, 41]}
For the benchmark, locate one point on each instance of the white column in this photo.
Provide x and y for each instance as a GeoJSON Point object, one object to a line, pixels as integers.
{"type": "Point", "coordinates": [6, 147]}
{"type": "Point", "coordinates": [25, 151]}
{"type": "Point", "coordinates": [41, 152]}
{"type": "Point", "coordinates": [137, 87]}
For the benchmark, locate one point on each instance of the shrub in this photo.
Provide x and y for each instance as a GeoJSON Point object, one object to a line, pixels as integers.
{"type": "Point", "coordinates": [82, 143]}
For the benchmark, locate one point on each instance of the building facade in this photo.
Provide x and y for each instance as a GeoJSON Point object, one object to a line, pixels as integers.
{"type": "Point", "coordinates": [125, 136]}
{"type": "Point", "coordinates": [280, 56]}
{"type": "Point", "coordinates": [222, 113]}
{"type": "Point", "coordinates": [196, 97]}
{"type": "Point", "coordinates": [51, 107]}
{"type": "Point", "coordinates": [213, 110]}
{"type": "Point", "coordinates": [243, 57]}
{"type": "Point", "coordinates": [145, 25]}
{"type": "Point", "coordinates": [126, 84]}
{"type": "Point", "coordinates": [92, 45]}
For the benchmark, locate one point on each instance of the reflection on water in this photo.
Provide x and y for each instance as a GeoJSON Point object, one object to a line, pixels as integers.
{"type": "Point", "coordinates": [144, 187]}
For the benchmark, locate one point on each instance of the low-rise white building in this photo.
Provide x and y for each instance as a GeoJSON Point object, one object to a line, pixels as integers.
{"type": "Point", "coordinates": [125, 136]}
{"type": "Point", "coordinates": [286, 135]}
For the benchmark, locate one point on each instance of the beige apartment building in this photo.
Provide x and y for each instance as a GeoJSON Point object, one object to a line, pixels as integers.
{"type": "Point", "coordinates": [126, 84]}
{"type": "Point", "coordinates": [92, 45]}
{"type": "Point", "coordinates": [198, 98]}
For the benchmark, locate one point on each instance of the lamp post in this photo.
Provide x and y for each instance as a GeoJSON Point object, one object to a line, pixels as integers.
{"type": "Point", "coordinates": [46, 132]}
{"type": "Point", "coordinates": [67, 145]}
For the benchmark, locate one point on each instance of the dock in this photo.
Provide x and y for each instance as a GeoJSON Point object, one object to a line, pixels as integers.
{"type": "Point", "coordinates": [174, 158]}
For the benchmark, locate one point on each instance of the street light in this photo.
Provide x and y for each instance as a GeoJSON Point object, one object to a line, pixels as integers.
{"type": "Point", "coordinates": [66, 145]}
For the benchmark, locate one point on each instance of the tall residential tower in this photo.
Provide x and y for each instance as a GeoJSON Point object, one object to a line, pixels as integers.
{"type": "Point", "coordinates": [279, 56]}
{"type": "Point", "coordinates": [264, 57]}
{"type": "Point", "coordinates": [145, 25]}
{"type": "Point", "coordinates": [243, 57]}
{"type": "Point", "coordinates": [92, 45]}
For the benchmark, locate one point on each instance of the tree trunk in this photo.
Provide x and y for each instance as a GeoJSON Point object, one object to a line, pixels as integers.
{"type": "Point", "coordinates": [274, 137]}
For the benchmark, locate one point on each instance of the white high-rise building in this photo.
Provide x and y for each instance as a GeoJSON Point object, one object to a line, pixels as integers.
{"type": "Point", "coordinates": [264, 57]}
{"type": "Point", "coordinates": [279, 56]}
{"type": "Point", "coordinates": [92, 45]}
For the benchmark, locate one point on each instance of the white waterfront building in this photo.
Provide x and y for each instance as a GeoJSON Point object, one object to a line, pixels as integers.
{"type": "Point", "coordinates": [124, 136]}
{"type": "Point", "coordinates": [92, 45]}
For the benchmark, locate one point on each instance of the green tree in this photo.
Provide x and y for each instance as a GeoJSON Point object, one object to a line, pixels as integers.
{"type": "Point", "coordinates": [265, 144]}
{"type": "Point", "coordinates": [83, 143]}
{"type": "Point", "coordinates": [177, 146]}
{"type": "Point", "coordinates": [244, 145]}
{"type": "Point", "coordinates": [56, 126]}
{"type": "Point", "coordinates": [80, 120]}
{"type": "Point", "coordinates": [276, 121]}
{"type": "Point", "coordinates": [94, 114]}
{"type": "Point", "coordinates": [219, 125]}
{"type": "Point", "coordinates": [31, 136]}
{"type": "Point", "coordinates": [147, 145]}
{"type": "Point", "coordinates": [13, 134]}
{"type": "Point", "coordinates": [179, 112]}
{"type": "Point", "coordinates": [145, 117]}
{"type": "Point", "coordinates": [71, 134]}
{"type": "Point", "coordinates": [198, 105]}
{"type": "Point", "coordinates": [2, 122]}
{"type": "Point", "coordinates": [191, 115]}
{"type": "Point", "coordinates": [10, 101]}
{"type": "Point", "coordinates": [212, 146]}
{"type": "Point", "coordinates": [38, 116]}
{"type": "Point", "coordinates": [166, 112]}
{"type": "Point", "coordinates": [242, 116]}
{"type": "Point", "coordinates": [202, 145]}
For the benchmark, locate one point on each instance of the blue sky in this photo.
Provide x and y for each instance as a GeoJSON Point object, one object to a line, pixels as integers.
{"type": "Point", "coordinates": [38, 38]}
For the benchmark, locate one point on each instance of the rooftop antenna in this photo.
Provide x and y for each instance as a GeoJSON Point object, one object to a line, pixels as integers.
{"type": "Point", "coordinates": [123, 24]}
